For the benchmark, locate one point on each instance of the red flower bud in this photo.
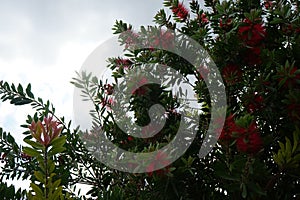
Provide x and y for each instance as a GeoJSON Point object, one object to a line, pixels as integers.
{"type": "Point", "coordinates": [180, 11]}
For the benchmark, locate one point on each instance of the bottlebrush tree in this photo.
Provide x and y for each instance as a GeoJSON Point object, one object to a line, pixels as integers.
{"type": "Point", "coordinates": [256, 48]}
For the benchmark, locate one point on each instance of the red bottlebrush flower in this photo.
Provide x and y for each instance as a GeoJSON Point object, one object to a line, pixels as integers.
{"type": "Point", "coordinates": [180, 11]}
{"type": "Point", "coordinates": [228, 128]}
{"type": "Point", "coordinates": [149, 130]}
{"type": "Point", "coordinates": [161, 160]}
{"type": "Point", "coordinates": [252, 33]}
{"type": "Point", "coordinates": [204, 18]}
{"type": "Point", "coordinates": [232, 74]}
{"type": "Point", "coordinates": [129, 138]}
{"type": "Point", "coordinates": [123, 63]}
{"type": "Point", "coordinates": [202, 72]}
{"type": "Point", "coordinates": [268, 4]}
{"type": "Point", "coordinates": [254, 102]}
{"type": "Point", "coordinates": [289, 76]}
{"type": "Point", "coordinates": [130, 38]}
{"type": "Point", "coordinates": [150, 169]}
{"type": "Point", "coordinates": [141, 90]}
{"type": "Point", "coordinates": [109, 89]}
{"type": "Point", "coordinates": [132, 165]}
{"type": "Point", "coordinates": [227, 25]}
{"type": "Point", "coordinates": [287, 29]}
{"type": "Point", "coordinates": [3, 156]}
{"type": "Point", "coordinates": [249, 140]}
{"type": "Point", "coordinates": [143, 81]}
{"type": "Point", "coordinates": [25, 156]}
{"type": "Point", "coordinates": [163, 172]}
{"type": "Point", "coordinates": [165, 40]}
{"type": "Point", "coordinates": [107, 102]}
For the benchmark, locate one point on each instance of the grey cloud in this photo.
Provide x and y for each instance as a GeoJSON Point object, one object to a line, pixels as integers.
{"type": "Point", "coordinates": [38, 28]}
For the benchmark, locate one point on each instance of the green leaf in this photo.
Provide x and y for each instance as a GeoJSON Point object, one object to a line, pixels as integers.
{"type": "Point", "coordinates": [54, 151]}
{"type": "Point", "coordinates": [13, 88]}
{"type": "Point", "coordinates": [296, 139]}
{"type": "Point", "coordinates": [281, 146]}
{"type": "Point", "coordinates": [277, 160]}
{"type": "Point", "coordinates": [20, 101]}
{"type": "Point", "coordinates": [37, 190]}
{"type": "Point", "coordinates": [56, 183]}
{"type": "Point", "coordinates": [280, 157]}
{"type": "Point", "coordinates": [58, 142]}
{"type": "Point", "coordinates": [10, 139]}
{"type": "Point", "coordinates": [57, 193]}
{"type": "Point", "coordinates": [28, 91]}
{"type": "Point", "coordinates": [42, 166]}
{"type": "Point", "coordinates": [20, 89]}
{"type": "Point", "coordinates": [39, 176]}
{"type": "Point", "coordinates": [277, 21]}
{"type": "Point", "coordinates": [77, 85]}
{"type": "Point", "coordinates": [227, 176]}
{"type": "Point", "coordinates": [31, 152]}
{"type": "Point", "coordinates": [33, 143]}
{"type": "Point", "coordinates": [51, 166]}
{"type": "Point", "coordinates": [288, 146]}
{"type": "Point", "coordinates": [296, 158]}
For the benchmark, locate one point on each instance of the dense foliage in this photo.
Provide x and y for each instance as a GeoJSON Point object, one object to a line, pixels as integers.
{"type": "Point", "coordinates": [256, 47]}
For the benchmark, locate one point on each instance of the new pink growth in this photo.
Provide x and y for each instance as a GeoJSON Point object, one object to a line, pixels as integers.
{"type": "Point", "coordinates": [44, 132]}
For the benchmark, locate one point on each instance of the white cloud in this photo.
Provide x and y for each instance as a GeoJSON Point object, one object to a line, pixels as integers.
{"type": "Point", "coordinates": [44, 42]}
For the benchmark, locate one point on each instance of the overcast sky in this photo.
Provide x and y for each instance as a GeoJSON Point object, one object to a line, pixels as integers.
{"type": "Point", "coordinates": [45, 42]}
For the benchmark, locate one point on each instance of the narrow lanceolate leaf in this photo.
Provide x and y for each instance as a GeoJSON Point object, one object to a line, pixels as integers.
{"type": "Point", "coordinates": [288, 146]}
{"type": "Point", "coordinates": [54, 151]}
{"type": "Point", "coordinates": [10, 138]}
{"type": "Point", "coordinates": [28, 91]}
{"type": "Point", "coordinates": [18, 101]}
{"type": "Point", "coordinates": [276, 159]}
{"type": "Point", "coordinates": [280, 159]}
{"type": "Point", "coordinates": [56, 184]}
{"type": "Point", "coordinates": [31, 152]}
{"type": "Point", "coordinates": [57, 193]}
{"type": "Point", "coordinates": [39, 176]}
{"type": "Point", "coordinates": [36, 189]}
{"type": "Point", "coordinates": [281, 146]}
{"type": "Point", "coordinates": [296, 139]}
{"type": "Point", "coordinates": [77, 85]}
{"type": "Point", "coordinates": [33, 143]}
{"type": "Point", "coordinates": [42, 166]}
{"type": "Point", "coordinates": [20, 89]}
{"type": "Point", "coordinates": [59, 141]}
{"type": "Point", "coordinates": [51, 167]}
